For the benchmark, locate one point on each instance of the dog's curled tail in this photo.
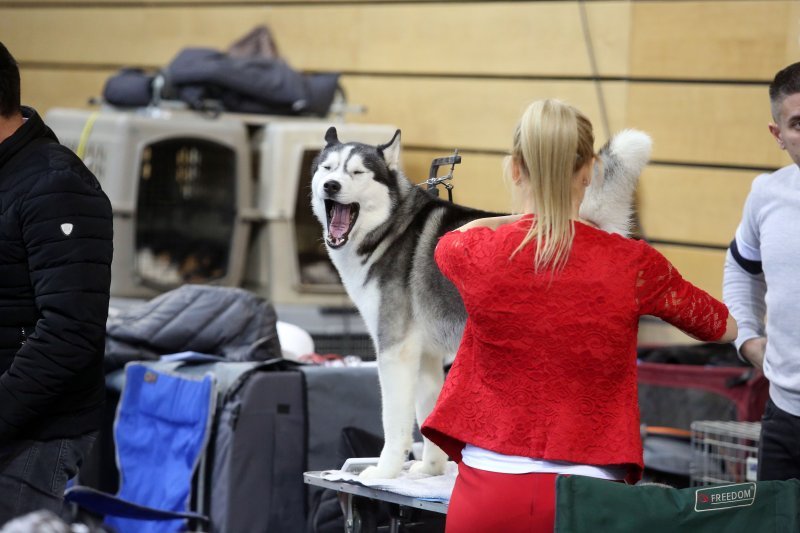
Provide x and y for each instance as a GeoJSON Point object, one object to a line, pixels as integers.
{"type": "Point", "coordinates": [609, 198]}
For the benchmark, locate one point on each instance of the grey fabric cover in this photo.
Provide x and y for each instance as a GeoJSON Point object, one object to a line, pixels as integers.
{"type": "Point", "coordinates": [229, 322]}
{"type": "Point", "coordinates": [257, 476]}
{"type": "Point", "coordinates": [337, 398]}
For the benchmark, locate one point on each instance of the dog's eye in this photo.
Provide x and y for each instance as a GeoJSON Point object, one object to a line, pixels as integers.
{"type": "Point", "coordinates": [359, 172]}
{"type": "Point", "coordinates": [326, 167]}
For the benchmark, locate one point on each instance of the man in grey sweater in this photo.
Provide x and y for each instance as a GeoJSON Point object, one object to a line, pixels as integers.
{"type": "Point", "coordinates": [762, 273]}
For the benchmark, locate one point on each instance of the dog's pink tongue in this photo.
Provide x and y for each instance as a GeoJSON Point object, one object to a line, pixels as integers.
{"type": "Point", "coordinates": [340, 221]}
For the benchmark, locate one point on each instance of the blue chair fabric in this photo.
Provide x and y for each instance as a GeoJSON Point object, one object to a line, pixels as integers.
{"type": "Point", "coordinates": [161, 431]}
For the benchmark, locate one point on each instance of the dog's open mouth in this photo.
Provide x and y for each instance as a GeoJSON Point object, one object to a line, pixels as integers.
{"type": "Point", "coordinates": [341, 218]}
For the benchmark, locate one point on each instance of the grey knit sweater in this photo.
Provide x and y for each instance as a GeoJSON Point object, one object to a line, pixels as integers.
{"type": "Point", "coordinates": [762, 273]}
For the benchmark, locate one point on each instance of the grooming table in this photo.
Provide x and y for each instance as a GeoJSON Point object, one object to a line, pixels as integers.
{"type": "Point", "coordinates": [359, 505]}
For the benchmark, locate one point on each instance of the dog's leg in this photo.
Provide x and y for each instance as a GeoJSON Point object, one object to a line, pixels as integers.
{"type": "Point", "coordinates": [398, 367]}
{"type": "Point", "coordinates": [431, 379]}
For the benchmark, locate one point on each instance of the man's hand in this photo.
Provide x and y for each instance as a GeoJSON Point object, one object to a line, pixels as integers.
{"type": "Point", "coordinates": [753, 350]}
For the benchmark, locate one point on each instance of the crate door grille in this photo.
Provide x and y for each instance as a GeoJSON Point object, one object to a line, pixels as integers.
{"type": "Point", "coordinates": [185, 212]}
{"type": "Point", "coordinates": [316, 269]}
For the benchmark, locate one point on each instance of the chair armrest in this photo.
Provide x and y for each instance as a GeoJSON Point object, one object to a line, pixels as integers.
{"type": "Point", "coordinates": [102, 503]}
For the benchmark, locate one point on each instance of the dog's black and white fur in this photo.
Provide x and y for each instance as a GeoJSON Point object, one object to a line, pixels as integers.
{"type": "Point", "coordinates": [381, 230]}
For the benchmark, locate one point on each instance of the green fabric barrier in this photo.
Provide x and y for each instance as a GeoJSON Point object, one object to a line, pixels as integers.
{"type": "Point", "coordinates": [585, 504]}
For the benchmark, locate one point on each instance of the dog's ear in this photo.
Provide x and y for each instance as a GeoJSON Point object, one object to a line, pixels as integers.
{"type": "Point", "coordinates": [391, 151]}
{"type": "Point", "coordinates": [331, 137]}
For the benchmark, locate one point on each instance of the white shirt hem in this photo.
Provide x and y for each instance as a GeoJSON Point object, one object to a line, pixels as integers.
{"type": "Point", "coordinates": [482, 459]}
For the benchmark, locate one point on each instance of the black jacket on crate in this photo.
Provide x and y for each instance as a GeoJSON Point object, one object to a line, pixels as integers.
{"type": "Point", "coordinates": [249, 84]}
{"type": "Point", "coordinates": [55, 274]}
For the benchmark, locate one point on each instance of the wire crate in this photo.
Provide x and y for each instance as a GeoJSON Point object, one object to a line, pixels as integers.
{"type": "Point", "coordinates": [723, 451]}
{"type": "Point", "coordinates": [345, 344]}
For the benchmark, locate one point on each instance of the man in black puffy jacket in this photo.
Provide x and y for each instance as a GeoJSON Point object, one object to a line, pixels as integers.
{"type": "Point", "coordinates": [55, 273]}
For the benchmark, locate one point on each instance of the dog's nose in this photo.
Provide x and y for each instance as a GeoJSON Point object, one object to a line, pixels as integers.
{"type": "Point", "coordinates": [332, 187]}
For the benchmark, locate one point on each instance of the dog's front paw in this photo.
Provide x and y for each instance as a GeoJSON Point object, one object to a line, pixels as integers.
{"type": "Point", "coordinates": [378, 472]}
{"type": "Point", "coordinates": [428, 468]}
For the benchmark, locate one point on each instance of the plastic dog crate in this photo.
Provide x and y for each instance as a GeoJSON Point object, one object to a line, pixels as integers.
{"type": "Point", "coordinates": [180, 188]}
{"type": "Point", "coordinates": [723, 451]}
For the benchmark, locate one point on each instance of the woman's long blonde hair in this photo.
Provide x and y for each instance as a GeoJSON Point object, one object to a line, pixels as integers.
{"type": "Point", "coordinates": [553, 140]}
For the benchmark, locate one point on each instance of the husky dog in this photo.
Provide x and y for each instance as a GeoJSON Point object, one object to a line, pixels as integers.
{"type": "Point", "coordinates": [381, 230]}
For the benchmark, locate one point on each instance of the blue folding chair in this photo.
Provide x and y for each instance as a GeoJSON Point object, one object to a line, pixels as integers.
{"type": "Point", "coordinates": [161, 430]}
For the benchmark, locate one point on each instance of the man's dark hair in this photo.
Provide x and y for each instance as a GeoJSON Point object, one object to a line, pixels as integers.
{"type": "Point", "coordinates": [9, 84]}
{"type": "Point", "coordinates": [786, 83]}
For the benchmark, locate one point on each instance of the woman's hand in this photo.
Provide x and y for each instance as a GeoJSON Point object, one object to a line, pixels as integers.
{"type": "Point", "coordinates": [731, 330]}
{"type": "Point", "coordinates": [491, 222]}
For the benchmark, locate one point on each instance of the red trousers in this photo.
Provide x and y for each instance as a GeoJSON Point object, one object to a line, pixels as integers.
{"type": "Point", "coordinates": [509, 503]}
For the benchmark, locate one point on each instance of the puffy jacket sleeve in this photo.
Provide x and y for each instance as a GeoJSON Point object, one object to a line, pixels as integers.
{"type": "Point", "coordinates": [66, 225]}
{"type": "Point", "coordinates": [661, 291]}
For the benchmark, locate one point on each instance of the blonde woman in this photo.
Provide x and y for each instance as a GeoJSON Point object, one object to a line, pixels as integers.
{"type": "Point", "coordinates": [544, 382]}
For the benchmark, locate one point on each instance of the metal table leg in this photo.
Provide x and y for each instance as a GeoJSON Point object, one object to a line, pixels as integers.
{"type": "Point", "coordinates": [360, 513]}
{"type": "Point", "coordinates": [346, 501]}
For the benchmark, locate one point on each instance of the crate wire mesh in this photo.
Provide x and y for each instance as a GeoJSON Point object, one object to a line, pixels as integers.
{"type": "Point", "coordinates": [722, 451]}
{"type": "Point", "coordinates": [345, 344]}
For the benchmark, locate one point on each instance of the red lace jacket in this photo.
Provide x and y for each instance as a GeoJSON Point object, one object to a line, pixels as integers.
{"type": "Point", "coordinates": [547, 364]}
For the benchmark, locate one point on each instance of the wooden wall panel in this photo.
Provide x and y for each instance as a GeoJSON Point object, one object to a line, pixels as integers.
{"type": "Point", "coordinates": [189, 3]}
{"type": "Point", "coordinates": [469, 113]}
{"type": "Point", "coordinates": [505, 38]}
{"type": "Point", "coordinates": [477, 181]}
{"type": "Point", "coordinates": [121, 35]}
{"type": "Point", "coordinates": [739, 40]}
{"type": "Point", "coordinates": [719, 124]}
{"type": "Point", "coordinates": [692, 205]}
{"type": "Point", "coordinates": [44, 89]}
{"type": "Point", "coordinates": [698, 121]}
{"type": "Point", "coordinates": [700, 266]}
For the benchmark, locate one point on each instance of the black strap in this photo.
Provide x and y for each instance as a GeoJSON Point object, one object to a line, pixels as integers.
{"type": "Point", "coordinates": [752, 267]}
